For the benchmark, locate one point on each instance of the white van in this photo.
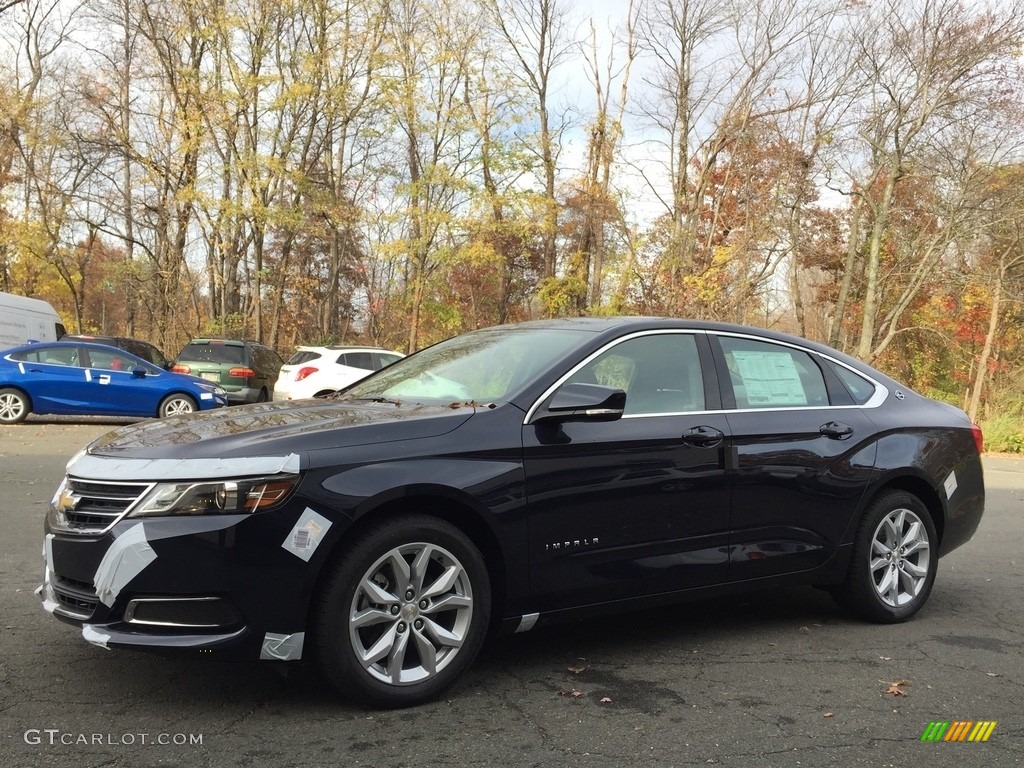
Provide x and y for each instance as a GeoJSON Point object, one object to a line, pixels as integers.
{"type": "Point", "coordinates": [23, 319]}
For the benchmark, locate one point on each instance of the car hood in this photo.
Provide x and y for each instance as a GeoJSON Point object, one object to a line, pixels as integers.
{"type": "Point", "coordinates": [275, 429]}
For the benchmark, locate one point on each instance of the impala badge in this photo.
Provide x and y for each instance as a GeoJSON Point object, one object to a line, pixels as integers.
{"type": "Point", "coordinates": [560, 546]}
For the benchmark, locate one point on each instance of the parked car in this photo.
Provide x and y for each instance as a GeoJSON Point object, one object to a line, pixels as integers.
{"type": "Point", "coordinates": [81, 379]}
{"type": "Point", "coordinates": [508, 477]}
{"type": "Point", "coordinates": [137, 347]}
{"type": "Point", "coordinates": [317, 371]}
{"type": "Point", "coordinates": [246, 370]}
{"type": "Point", "coordinates": [23, 319]}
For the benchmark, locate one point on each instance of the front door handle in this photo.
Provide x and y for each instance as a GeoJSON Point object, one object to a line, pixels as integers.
{"type": "Point", "coordinates": [836, 430]}
{"type": "Point", "coordinates": [704, 437]}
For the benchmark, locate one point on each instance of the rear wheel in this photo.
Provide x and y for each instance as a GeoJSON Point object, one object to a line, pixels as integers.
{"type": "Point", "coordinates": [404, 613]}
{"type": "Point", "coordinates": [14, 406]}
{"type": "Point", "coordinates": [894, 560]}
{"type": "Point", "coordinates": [175, 405]}
{"type": "Point", "coordinates": [263, 396]}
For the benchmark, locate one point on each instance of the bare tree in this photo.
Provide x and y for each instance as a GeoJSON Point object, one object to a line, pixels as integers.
{"type": "Point", "coordinates": [538, 34]}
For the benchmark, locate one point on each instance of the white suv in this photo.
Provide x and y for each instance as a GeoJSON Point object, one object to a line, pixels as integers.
{"type": "Point", "coordinates": [315, 371]}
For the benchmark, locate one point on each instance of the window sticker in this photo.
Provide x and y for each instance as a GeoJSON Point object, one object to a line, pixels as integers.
{"type": "Point", "coordinates": [770, 378]}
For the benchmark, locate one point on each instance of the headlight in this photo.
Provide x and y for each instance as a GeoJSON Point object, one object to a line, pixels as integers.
{"type": "Point", "coordinates": [221, 497]}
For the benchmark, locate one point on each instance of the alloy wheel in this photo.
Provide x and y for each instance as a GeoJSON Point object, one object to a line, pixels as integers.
{"type": "Point", "coordinates": [411, 614]}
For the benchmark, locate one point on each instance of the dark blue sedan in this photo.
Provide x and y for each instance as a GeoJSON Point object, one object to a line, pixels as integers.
{"type": "Point", "coordinates": [79, 379]}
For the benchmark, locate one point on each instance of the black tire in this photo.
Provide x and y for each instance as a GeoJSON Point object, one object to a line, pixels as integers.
{"type": "Point", "coordinates": [263, 396]}
{"type": "Point", "coordinates": [894, 560]}
{"type": "Point", "coordinates": [429, 626]}
{"type": "Point", "coordinates": [175, 405]}
{"type": "Point", "coordinates": [14, 406]}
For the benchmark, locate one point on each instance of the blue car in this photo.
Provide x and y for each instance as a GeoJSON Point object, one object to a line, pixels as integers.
{"type": "Point", "coordinates": [79, 379]}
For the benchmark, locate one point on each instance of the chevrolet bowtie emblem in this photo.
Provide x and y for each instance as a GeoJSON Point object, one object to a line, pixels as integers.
{"type": "Point", "coordinates": [67, 501]}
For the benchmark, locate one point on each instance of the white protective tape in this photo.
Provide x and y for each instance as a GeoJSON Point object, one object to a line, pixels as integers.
{"type": "Point", "coordinates": [94, 636]}
{"type": "Point", "coordinates": [45, 590]}
{"type": "Point", "coordinates": [127, 557]}
{"type": "Point", "coordinates": [105, 467]}
{"type": "Point", "coordinates": [282, 647]}
{"type": "Point", "coordinates": [306, 535]}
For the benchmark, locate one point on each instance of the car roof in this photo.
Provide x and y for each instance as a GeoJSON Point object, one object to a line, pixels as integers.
{"type": "Point", "coordinates": [614, 326]}
{"type": "Point", "coordinates": [86, 344]}
{"type": "Point", "coordinates": [233, 342]}
{"type": "Point", "coordinates": [343, 348]}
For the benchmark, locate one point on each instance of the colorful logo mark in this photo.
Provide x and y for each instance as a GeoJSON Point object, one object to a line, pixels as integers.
{"type": "Point", "coordinates": [959, 730]}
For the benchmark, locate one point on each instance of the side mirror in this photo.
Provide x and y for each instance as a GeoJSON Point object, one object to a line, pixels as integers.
{"type": "Point", "coordinates": [584, 402]}
{"type": "Point", "coordinates": [138, 372]}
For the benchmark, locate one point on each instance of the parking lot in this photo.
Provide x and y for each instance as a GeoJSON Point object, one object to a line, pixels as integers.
{"type": "Point", "coordinates": [780, 678]}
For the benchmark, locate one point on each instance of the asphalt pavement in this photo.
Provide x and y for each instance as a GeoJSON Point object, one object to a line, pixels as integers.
{"type": "Point", "coordinates": [778, 678]}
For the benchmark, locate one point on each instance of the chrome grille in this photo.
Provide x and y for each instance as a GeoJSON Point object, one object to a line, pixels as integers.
{"type": "Point", "coordinates": [93, 506]}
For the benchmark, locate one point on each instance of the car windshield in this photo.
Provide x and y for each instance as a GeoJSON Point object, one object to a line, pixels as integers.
{"type": "Point", "coordinates": [483, 366]}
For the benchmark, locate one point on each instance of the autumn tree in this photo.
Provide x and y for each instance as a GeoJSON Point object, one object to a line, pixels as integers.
{"type": "Point", "coordinates": [926, 65]}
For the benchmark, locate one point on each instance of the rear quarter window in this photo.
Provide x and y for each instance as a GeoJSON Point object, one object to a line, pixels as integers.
{"type": "Point", "coordinates": [860, 388]}
{"type": "Point", "coordinates": [303, 356]}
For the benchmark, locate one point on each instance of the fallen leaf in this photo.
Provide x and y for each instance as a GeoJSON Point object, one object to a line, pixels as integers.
{"type": "Point", "coordinates": [574, 693]}
{"type": "Point", "coordinates": [896, 687]}
{"type": "Point", "coordinates": [577, 670]}
{"type": "Point", "coordinates": [885, 658]}
{"type": "Point", "coordinates": [805, 629]}
{"type": "Point", "coordinates": [828, 714]}
{"type": "Point", "coordinates": [992, 674]}
{"type": "Point", "coordinates": [606, 700]}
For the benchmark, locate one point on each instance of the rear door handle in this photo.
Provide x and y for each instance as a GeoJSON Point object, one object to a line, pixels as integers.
{"type": "Point", "coordinates": [704, 437]}
{"type": "Point", "coordinates": [836, 430]}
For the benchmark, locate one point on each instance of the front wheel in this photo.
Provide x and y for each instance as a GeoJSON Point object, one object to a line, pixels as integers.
{"type": "Point", "coordinates": [175, 405]}
{"type": "Point", "coordinates": [894, 560]}
{"type": "Point", "coordinates": [14, 406]}
{"type": "Point", "coordinates": [404, 612]}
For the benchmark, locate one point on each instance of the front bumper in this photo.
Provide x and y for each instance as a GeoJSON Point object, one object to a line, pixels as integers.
{"type": "Point", "coordinates": [230, 586]}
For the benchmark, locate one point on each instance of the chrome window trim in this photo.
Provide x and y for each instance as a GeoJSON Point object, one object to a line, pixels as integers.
{"type": "Point", "coordinates": [880, 396]}
{"type": "Point", "coordinates": [881, 391]}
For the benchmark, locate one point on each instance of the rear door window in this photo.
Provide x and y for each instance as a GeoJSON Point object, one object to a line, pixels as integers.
{"type": "Point", "coordinates": [766, 375]}
{"type": "Point", "coordinates": [363, 360]}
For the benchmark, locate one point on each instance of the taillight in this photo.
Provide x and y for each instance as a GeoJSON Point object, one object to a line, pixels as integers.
{"type": "Point", "coordinates": [979, 438]}
{"type": "Point", "coordinates": [242, 373]}
{"type": "Point", "coordinates": [180, 369]}
{"type": "Point", "coordinates": [304, 372]}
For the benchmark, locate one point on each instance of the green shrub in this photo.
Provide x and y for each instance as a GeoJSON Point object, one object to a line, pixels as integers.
{"type": "Point", "coordinates": [1004, 433]}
